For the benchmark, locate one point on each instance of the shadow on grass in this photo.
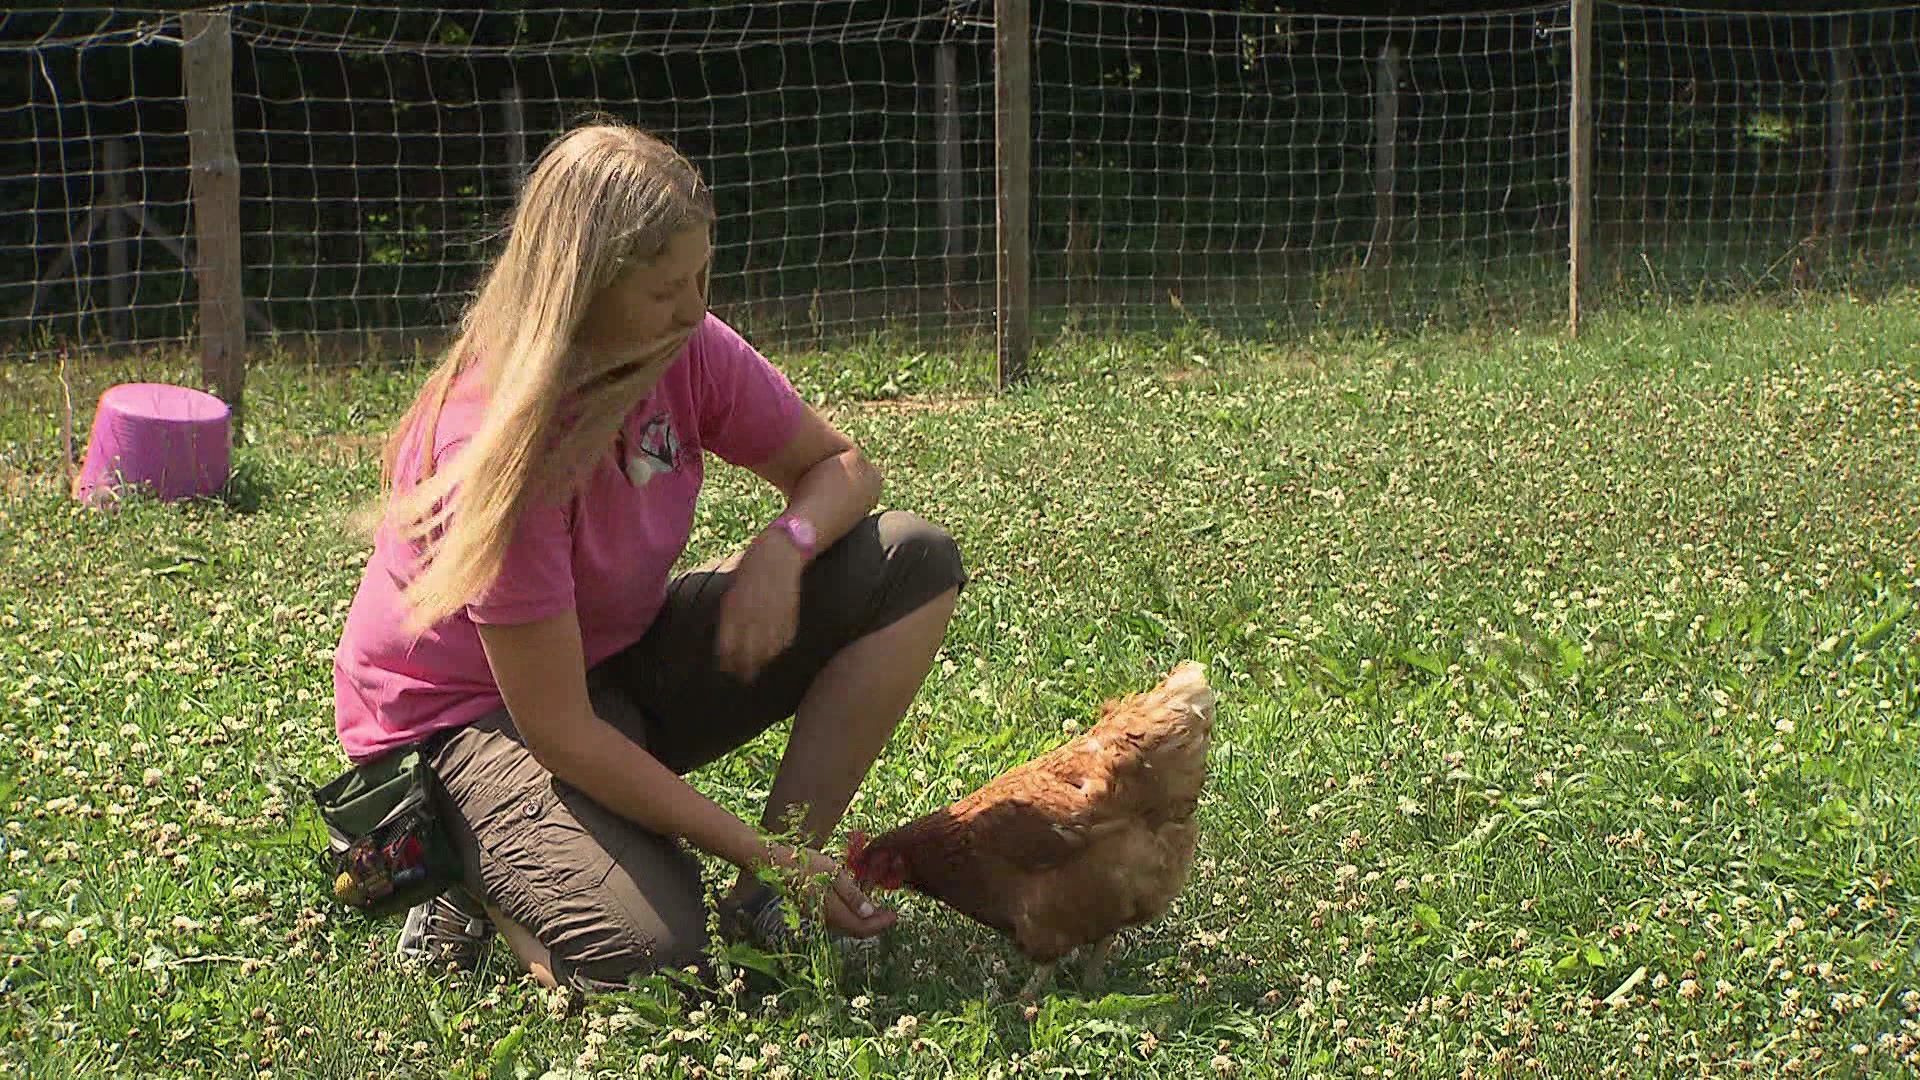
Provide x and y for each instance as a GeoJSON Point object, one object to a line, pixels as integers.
{"type": "Point", "coordinates": [879, 1000]}
{"type": "Point", "coordinates": [249, 487]}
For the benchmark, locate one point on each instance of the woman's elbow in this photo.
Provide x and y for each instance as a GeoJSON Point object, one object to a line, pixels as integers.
{"type": "Point", "coordinates": [552, 750]}
{"type": "Point", "coordinates": [867, 476]}
{"type": "Point", "coordinates": [546, 753]}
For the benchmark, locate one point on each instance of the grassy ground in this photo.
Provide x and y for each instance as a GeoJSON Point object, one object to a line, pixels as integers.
{"type": "Point", "coordinates": [1567, 721]}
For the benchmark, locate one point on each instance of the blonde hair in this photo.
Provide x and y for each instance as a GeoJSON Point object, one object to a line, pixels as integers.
{"type": "Point", "coordinates": [600, 199]}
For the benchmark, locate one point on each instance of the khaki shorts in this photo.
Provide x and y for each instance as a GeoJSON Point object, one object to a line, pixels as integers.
{"type": "Point", "coordinates": [609, 899]}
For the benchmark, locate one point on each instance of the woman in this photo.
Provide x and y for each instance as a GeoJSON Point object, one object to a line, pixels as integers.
{"type": "Point", "coordinates": [517, 620]}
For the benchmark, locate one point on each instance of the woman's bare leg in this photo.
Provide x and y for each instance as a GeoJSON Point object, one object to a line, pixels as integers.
{"type": "Point", "coordinates": [845, 719]}
{"type": "Point", "coordinates": [532, 955]}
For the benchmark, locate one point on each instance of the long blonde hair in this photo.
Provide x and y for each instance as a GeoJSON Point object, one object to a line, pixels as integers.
{"type": "Point", "coordinates": [601, 198]}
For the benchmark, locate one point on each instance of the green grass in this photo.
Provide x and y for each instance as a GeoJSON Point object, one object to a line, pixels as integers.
{"type": "Point", "coordinates": [1547, 671]}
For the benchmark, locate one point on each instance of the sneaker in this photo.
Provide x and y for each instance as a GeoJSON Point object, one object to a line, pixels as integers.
{"type": "Point", "coordinates": [761, 921]}
{"type": "Point", "coordinates": [451, 929]}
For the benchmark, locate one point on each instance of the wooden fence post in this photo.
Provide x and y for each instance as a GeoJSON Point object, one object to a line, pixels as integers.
{"type": "Point", "coordinates": [216, 205]}
{"type": "Point", "coordinates": [947, 111]}
{"type": "Point", "coordinates": [1580, 165]}
{"type": "Point", "coordinates": [114, 164]}
{"type": "Point", "coordinates": [513, 116]}
{"type": "Point", "coordinates": [1386, 134]}
{"type": "Point", "coordinates": [1840, 141]}
{"type": "Point", "coordinates": [1013, 152]}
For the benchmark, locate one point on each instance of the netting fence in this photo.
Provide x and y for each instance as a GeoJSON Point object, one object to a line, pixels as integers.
{"type": "Point", "coordinates": [1743, 151]}
{"type": "Point", "coordinates": [1257, 171]}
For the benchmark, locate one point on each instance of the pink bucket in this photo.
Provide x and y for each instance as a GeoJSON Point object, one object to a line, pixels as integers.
{"type": "Point", "coordinates": [172, 439]}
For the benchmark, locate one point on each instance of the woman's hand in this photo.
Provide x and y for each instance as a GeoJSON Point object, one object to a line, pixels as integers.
{"type": "Point", "coordinates": [827, 481]}
{"type": "Point", "coordinates": [830, 889]}
{"type": "Point", "coordinates": [761, 609]}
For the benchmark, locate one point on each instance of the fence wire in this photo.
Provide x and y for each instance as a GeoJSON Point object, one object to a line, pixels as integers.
{"type": "Point", "coordinates": [1260, 173]}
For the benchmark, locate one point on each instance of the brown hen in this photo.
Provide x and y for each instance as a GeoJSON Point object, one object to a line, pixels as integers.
{"type": "Point", "coordinates": [1068, 849]}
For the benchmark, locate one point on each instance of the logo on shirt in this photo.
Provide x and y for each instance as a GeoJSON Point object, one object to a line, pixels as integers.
{"type": "Point", "coordinates": [658, 451]}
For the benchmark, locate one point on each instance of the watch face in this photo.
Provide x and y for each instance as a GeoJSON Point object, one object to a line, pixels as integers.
{"type": "Point", "coordinates": [802, 531]}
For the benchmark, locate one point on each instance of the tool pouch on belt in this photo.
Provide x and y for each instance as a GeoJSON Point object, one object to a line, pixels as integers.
{"type": "Point", "coordinates": [386, 847]}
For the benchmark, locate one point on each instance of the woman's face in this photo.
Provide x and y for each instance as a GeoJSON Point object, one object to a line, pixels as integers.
{"type": "Point", "coordinates": [651, 300]}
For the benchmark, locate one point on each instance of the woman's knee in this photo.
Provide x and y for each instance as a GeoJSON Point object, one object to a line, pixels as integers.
{"type": "Point", "coordinates": [631, 927]}
{"type": "Point", "coordinates": [923, 557]}
{"type": "Point", "coordinates": [612, 971]}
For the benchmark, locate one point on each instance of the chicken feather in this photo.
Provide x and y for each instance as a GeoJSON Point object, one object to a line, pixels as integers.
{"type": "Point", "coordinates": [1067, 849]}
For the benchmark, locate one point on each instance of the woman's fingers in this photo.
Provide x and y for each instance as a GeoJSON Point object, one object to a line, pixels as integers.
{"type": "Point", "coordinates": [831, 891]}
{"type": "Point", "coordinates": [726, 631]}
{"type": "Point", "coordinates": [735, 650]}
{"type": "Point", "coordinates": [745, 644]}
{"type": "Point", "coordinates": [850, 895]}
{"type": "Point", "coordinates": [757, 624]}
{"type": "Point", "coordinates": [871, 917]}
{"type": "Point", "coordinates": [850, 922]}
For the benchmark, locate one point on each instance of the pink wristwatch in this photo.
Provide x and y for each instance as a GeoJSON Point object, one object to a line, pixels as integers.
{"type": "Point", "coordinates": [800, 531]}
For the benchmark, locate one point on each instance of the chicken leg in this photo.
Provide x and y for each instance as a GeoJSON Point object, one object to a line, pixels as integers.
{"type": "Point", "coordinates": [1093, 966]}
{"type": "Point", "coordinates": [1042, 974]}
{"type": "Point", "coordinates": [1093, 973]}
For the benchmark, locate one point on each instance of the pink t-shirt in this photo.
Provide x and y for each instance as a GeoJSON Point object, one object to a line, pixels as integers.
{"type": "Point", "coordinates": [606, 552]}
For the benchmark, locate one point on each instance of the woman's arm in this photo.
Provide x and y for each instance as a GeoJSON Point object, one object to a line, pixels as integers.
{"type": "Point", "coordinates": [829, 483]}
{"type": "Point", "coordinates": [540, 668]}
{"type": "Point", "coordinates": [824, 476]}
{"type": "Point", "coordinates": [541, 671]}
